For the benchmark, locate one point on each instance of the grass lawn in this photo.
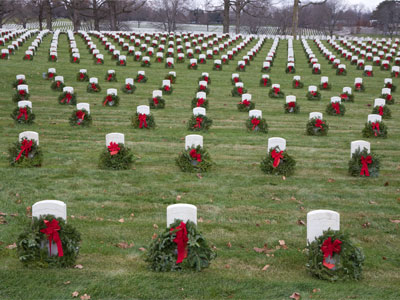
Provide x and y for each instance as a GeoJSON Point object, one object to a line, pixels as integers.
{"type": "Point", "coordinates": [240, 207]}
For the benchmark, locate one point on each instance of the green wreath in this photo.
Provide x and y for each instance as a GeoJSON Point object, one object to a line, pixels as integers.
{"type": "Point", "coordinates": [146, 64]}
{"type": "Point", "coordinates": [266, 83]}
{"type": "Point", "coordinates": [120, 161]}
{"type": "Point", "coordinates": [93, 88]}
{"type": "Point", "coordinates": [291, 109]}
{"type": "Point", "coordinates": [346, 97]}
{"type": "Point", "coordinates": [390, 100]}
{"type": "Point", "coordinates": [32, 254]}
{"type": "Point", "coordinates": [204, 104]}
{"type": "Point", "coordinates": [356, 165]}
{"type": "Point", "coordinates": [171, 78]}
{"type": "Point", "coordinates": [312, 97]}
{"type": "Point", "coordinates": [205, 78]}
{"type": "Point", "coordinates": [188, 162]}
{"type": "Point", "coordinates": [74, 60]}
{"type": "Point", "coordinates": [34, 159]}
{"type": "Point", "coordinates": [169, 65]}
{"type": "Point", "coordinates": [369, 132]}
{"type": "Point", "coordinates": [207, 90]}
{"type": "Point", "coordinates": [266, 70]}
{"type": "Point", "coordinates": [62, 99]}
{"type": "Point", "coordinates": [290, 71]}
{"type": "Point", "coordinates": [217, 67]}
{"type": "Point", "coordinates": [18, 114]}
{"type": "Point", "coordinates": [201, 124]}
{"type": "Point", "coordinates": [74, 120]}
{"type": "Point", "coordinates": [162, 253]}
{"type": "Point", "coordinates": [57, 86]}
{"type": "Point", "coordinates": [348, 262]}
{"type": "Point", "coordinates": [236, 93]}
{"type": "Point", "coordinates": [361, 88]}
{"type": "Point", "coordinates": [111, 100]}
{"type": "Point", "coordinates": [278, 95]}
{"type": "Point", "coordinates": [20, 95]}
{"type": "Point", "coordinates": [241, 68]}
{"type": "Point", "coordinates": [141, 78]}
{"type": "Point", "coordinates": [112, 78]}
{"type": "Point", "coordinates": [391, 86]}
{"type": "Point", "coordinates": [149, 121]}
{"type": "Point", "coordinates": [167, 90]}
{"type": "Point", "coordinates": [316, 71]}
{"type": "Point", "coordinates": [23, 81]}
{"type": "Point", "coordinates": [192, 66]}
{"type": "Point", "coordinates": [252, 126]}
{"type": "Point", "coordinates": [386, 112]}
{"type": "Point", "coordinates": [157, 102]}
{"type": "Point", "coordinates": [320, 129]}
{"type": "Point", "coordinates": [235, 80]}
{"type": "Point", "coordinates": [343, 73]}
{"type": "Point", "coordinates": [84, 77]}
{"type": "Point", "coordinates": [325, 86]}
{"type": "Point", "coordinates": [285, 167]}
{"type": "Point", "coordinates": [299, 85]}
{"type": "Point", "coordinates": [332, 112]}
{"type": "Point", "coordinates": [131, 90]}
{"type": "Point", "coordinates": [246, 108]}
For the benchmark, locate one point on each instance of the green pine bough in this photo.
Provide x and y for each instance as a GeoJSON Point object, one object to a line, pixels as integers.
{"type": "Point", "coordinates": [285, 167]}
{"type": "Point", "coordinates": [356, 165]}
{"type": "Point", "coordinates": [34, 158]}
{"type": "Point", "coordinates": [17, 114]}
{"type": "Point", "coordinates": [370, 132]}
{"type": "Point", "coordinates": [189, 161]}
{"type": "Point", "coordinates": [120, 161]}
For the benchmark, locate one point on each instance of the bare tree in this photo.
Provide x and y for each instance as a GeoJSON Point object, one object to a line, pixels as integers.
{"type": "Point", "coordinates": [333, 10]}
{"type": "Point", "coordinates": [226, 23]}
{"type": "Point", "coordinates": [6, 11]}
{"type": "Point", "coordinates": [296, 8]}
{"type": "Point", "coordinates": [74, 8]}
{"type": "Point", "coordinates": [169, 12]}
{"type": "Point", "coordinates": [119, 7]}
{"type": "Point", "coordinates": [387, 14]}
{"type": "Point", "coordinates": [23, 12]}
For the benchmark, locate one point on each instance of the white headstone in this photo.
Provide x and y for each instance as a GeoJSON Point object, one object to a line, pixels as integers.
{"type": "Point", "coordinates": [359, 145]}
{"type": "Point", "coordinates": [290, 98]}
{"type": "Point", "coordinates": [201, 95]}
{"type": "Point", "coordinates": [315, 115]}
{"type": "Point", "coordinates": [143, 109]}
{"type": "Point", "coordinates": [112, 92]}
{"type": "Point", "coordinates": [184, 212]}
{"type": "Point", "coordinates": [23, 87]}
{"type": "Point", "coordinates": [239, 84]}
{"type": "Point", "coordinates": [59, 78]}
{"type": "Point", "coordinates": [336, 99]}
{"type": "Point", "coordinates": [234, 75]}
{"type": "Point", "coordinates": [50, 207]}
{"type": "Point", "coordinates": [297, 78]}
{"type": "Point", "coordinates": [246, 97]}
{"type": "Point", "coordinates": [20, 77]}
{"type": "Point", "coordinates": [157, 93]}
{"type": "Point", "coordinates": [82, 71]}
{"type": "Point", "coordinates": [25, 103]}
{"type": "Point", "coordinates": [93, 80]}
{"type": "Point", "coordinates": [118, 138]}
{"type": "Point", "coordinates": [358, 80]}
{"type": "Point", "coordinates": [312, 88]}
{"type": "Point", "coordinates": [276, 85]}
{"type": "Point", "coordinates": [324, 79]}
{"type": "Point", "coordinates": [85, 106]}
{"type": "Point", "coordinates": [166, 82]}
{"type": "Point", "coordinates": [386, 91]}
{"type": "Point", "coordinates": [255, 113]}
{"type": "Point", "coordinates": [379, 102]}
{"type": "Point", "coordinates": [199, 111]}
{"type": "Point", "coordinates": [193, 140]}
{"type": "Point", "coordinates": [319, 221]}
{"type": "Point", "coordinates": [374, 118]}
{"type": "Point", "coordinates": [276, 141]}
{"type": "Point", "coordinates": [129, 81]}
{"type": "Point", "coordinates": [203, 83]}
{"type": "Point", "coordinates": [30, 135]}
{"type": "Point", "coordinates": [347, 90]}
{"type": "Point", "coordinates": [68, 89]}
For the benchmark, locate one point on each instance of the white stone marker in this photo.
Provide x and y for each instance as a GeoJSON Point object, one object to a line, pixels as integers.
{"type": "Point", "coordinates": [372, 118]}
{"type": "Point", "coordinates": [118, 138]}
{"type": "Point", "coordinates": [143, 109]}
{"type": "Point", "coordinates": [25, 103]}
{"type": "Point", "coordinates": [315, 115]}
{"type": "Point", "coordinates": [360, 144]}
{"type": "Point", "coordinates": [112, 92]}
{"type": "Point", "coordinates": [30, 135]}
{"type": "Point", "coordinates": [255, 113]}
{"type": "Point", "coordinates": [85, 106]}
{"type": "Point", "coordinates": [320, 220]}
{"type": "Point", "coordinates": [199, 111]}
{"type": "Point", "coordinates": [50, 207]}
{"type": "Point", "coordinates": [193, 140]}
{"type": "Point", "coordinates": [379, 102]}
{"type": "Point", "coordinates": [184, 212]}
{"type": "Point", "coordinates": [276, 141]}
{"type": "Point", "coordinates": [157, 93]}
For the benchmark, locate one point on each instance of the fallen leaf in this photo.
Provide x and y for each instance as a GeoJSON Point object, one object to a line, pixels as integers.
{"type": "Point", "coordinates": [142, 249]}
{"type": "Point", "coordinates": [85, 297]}
{"type": "Point", "coordinates": [316, 290]}
{"type": "Point", "coordinates": [395, 221]}
{"type": "Point", "coordinates": [366, 225]}
{"type": "Point", "coordinates": [264, 249]}
{"type": "Point", "coordinates": [265, 267]}
{"type": "Point", "coordinates": [12, 246]}
{"type": "Point", "coordinates": [67, 282]}
{"type": "Point", "coordinates": [293, 198]}
{"type": "Point", "coordinates": [29, 211]}
{"type": "Point", "coordinates": [258, 225]}
{"type": "Point", "coordinates": [124, 245]}
{"type": "Point", "coordinates": [178, 198]}
{"type": "Point", "coordinates": [200, 220]}
{"type": "Point", "coordinates": [372, 202]}
{"type": "Point", "coordinates": [72, 217]}
{"type": "Point", "coordinates": [227, 266]}
{"type": "Point", "coordinates": [295, 296]}
{"type": "Point", "coordinates": [300, 222]}
{"type": "Point", "coordinates": [121, 220]}
{"type": "Point", "coordinates": [75, 294]}
{"type": "Point", "coordinates": [229, 245]}
{"type": "Point", "coordinates": [199, 176]}
{"type": "Point", "coordinates": [283, 177]}
{"type": "Point", "coordinates": [132, 214]}
{"type": "Point", "coordinates": [267, 221]}
{"type": "Point", "coordinates": [154, 236]}
{"type": "Point", "coordinates": [386, 183]}
{"type": "Point", "coordinates": [331, 180]}
{"type": "Point", "coordinates": [2, 220]}
{"type": "Point", "coordinates": [368, 104]}
{"type": "Point", "coordinates": [17, 195]}
{"type": "Point", "coordinates": [384, 258]}
{"type": "Point", "coordinates": [78, 267]}
{"type": "Point", "coordinates": [2, 214]}
{"type": "Point", "coordinates": [283, 244]}
{"type": "Point", "coordinates": [302, 208]}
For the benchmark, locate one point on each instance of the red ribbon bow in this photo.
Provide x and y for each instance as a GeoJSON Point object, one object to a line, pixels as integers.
{"type": "Point", "coordinates": [195, 155]}
{"type": "Point", "coordinates": [381, 110]}
{"type": "Point", "coordinates": [389, 85]}
{"type": "Point", "coordinates": [218, 66]}
{"type": "Point", "coordinates": [58, 83]}
{"type": "Point", "coordinates": [109, 76]}
{"type": "Point", "coordinates": [28, 56]}
{"type": "Point", "coordinates": [81, 75]}
{"type": "Point", "coordinates": [389, 97]}
{"type": "Point", "coordinates": [396, 74]}
{"type": "Point", "coordinates": [21, 81]}
{"type": "Point", "coordinates": [167, 88]}
{"type": "Point", "coordinates": [198, 122]}
{"type": "Point", "coordinates": [316, 70]}
{"type": "Point", "coordinates": [240, 90]}
{"type": "Point", "coordinates": [128, 86]}
{"type": "Point", "coordinates": [75, 59]}
{"type": "Point", "coordinates": [22, 92]}
{"type": "Point", "coordinates": [325, 85]}
{"type": "Point", "coordinates": [336, 107]}
{"type": "Point", "coordinates": [202, 87]}
{"type": "Point", "coordinates": [236, 79]}
{"type": "Point", "coordinates": [121, 62]}
{"type": "Point", "coordinates": [23, 112]}
{"type": "Point", "coordinates": [113, 148]}
{"type": "Point", "coordinates": [358, 86]}
{"type": "Point", "coordinates": [296, 84]}
{"type": "Point", "coordinates": [99, 61]}
{"type": "Point", "coordinates": [142, 119]}
{"type": "Point", "coordinates": [94, 87]}
{"type": "Point", "coordinates": [50, 75]}
{"type": "Point", "coordinates": [365, 161]}
{"type": "Point", "coordinates": [265, 80]}
{"type": "Point", "coordinates": [169, 64]}
{"type": "Point", "coordinates": [205, 78]}
{"type": "Point", "coordinates": [109, 98]}
{"type": "Point", "coordinates": [328, 248]}
{"type": "Point", "coordinates": [26, 146]}
{"type": "Point", "coordinates": [318, 123]}
{"type": "Point", "coordinates": [155, 100]}
{"type": "Point", "coordinates": [369, 73]}
{"type": "Point", "coordinates": [193, 65]}
{"type": "Point", "coordinates": [344, 96]}
{"type": "Point", "coordinates": [246, 102]}
{"type": "Point", "coordinates": [242, 66]}
{"type": "Point", "coordinates": [277, 156]}
{"type": "Point", "coordinates": [276, 90]}
{"type": "Point", "coordinates": [52, 234]}
{"type": "Point", "coordinates": [181, 240]}
{"type": "Point", "coordinates": [67, 97]}
{"type": "Point", "coordinates": [375, 127]}
{"type": "Point", "coordinates": [200, 102]}
{"type": "Point", "coordinates": [80, 115]}
{"type": "Point", "coordinates": [291, 104]}
{"type": "Point", "coordinates": [314, 93]}
{"type": "Point", "coordinates": [140, 77]}
{"type": "Point", "coordinates": [255, 122]}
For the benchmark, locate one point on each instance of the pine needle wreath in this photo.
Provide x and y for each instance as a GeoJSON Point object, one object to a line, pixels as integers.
{"type": "Point", "coordinates": [199, 123]}
{"type": "Point", "coordinates": [388, 85]}
{"type": "Point", "coordinates": [167, 89]}
{"type": "Point", "coordinates": [389, 99]}
{"type": "Point", "coordinates": [356, 165]}
{"type": "Point", "coordinates": [349, 260]}
{"type": "Point", "coordinates": [205, 89]}
{"type": "Point", "coordinates": [76, 120]}
{"type": "Point", "coordinates": [368, 73]}
{"type": "Point", "coordinates": [297, 84]}
{"type": "Point", "coordinates": [111, 100]}
{"type": "Point", "coordinates": [67, 98]}
{"type": "Point", "coordinates": [235, 80]}
{"type": "Point", "coordinates": [162, 252]}
{"type": "Point", "coordinates": [276, 95]}
{"type": "Point", "coordinates": [20, 95]}
{"type": "Point", "coordinates": [385, 111]}
{"type": "Point", "coordinates": [82, 77]}
{"type": "Point", "coordinates": [128, 88]}
{"type": "Point", "coordinates": [370, 132]}
{"type": "Point", "coordinates": [141, 78]}
{"type": "Point", "coordinates": [32, 254]}
{"type": "Point", "coordinates": [346, 97]}
{"type": "Point", "coordinates": [316, 71]}
{"type": "Point", "coordinates": [146, 64]}
{"type": "Point", "coordinates": [169, 65]}
{"type": "Point", "coordinates": [257, 125]}
{"type": "Point", "coordinates": [285, 167]}
{"type": "Point", "coordinates": [341, 73]}
{"type": "Point", "coordinates": [330, 110]}
{"type": "Point", "coordinates": [157, 102]}
{"type": "Point", "coordinates": [19, 114]}
{"type": "Point", "coordinates": [315, 96]}
{"type": "Point", "coordinates": [74, 60]}
{"type": "Point", "coordinates": [359, 87]}
{"type": "Point", "coordinates": [149, 124]}
{"type": "Point", "coordinates": [93, 88]}
{"type": "Point", "coordinates": [34, 159]}
{"type": "Point", "coordinates": [266, 69]}
{"type": "Point", "coordinates": [246, 105]}
{"type": "Point", "coordinates": [192, 66]}
{"type": "Point", "coordinates": [217, 67]}
{"type": "Point", "coordinates": [290, 70]}
{"type": "Point", "coordinates": [120, 161]}
{"type": "Point", "coordinates": [23, 81]}
{"type": "Point", "coordinates": [238, 91]}
{"type": "Point", "coordinates": [205, 78]}
{"type": "Point", "coordinates": [110, 77]}
{"type": "Point", "coordinates": [241, 68]}
{"type": "Point", "coordinates": [199, 102]}
{"type": "Point", "coordinates": [325, 86]}
{"type": "Point", "coordinates": [317, 128]}
{"type": "Point", "coordinates": [171, 78]}
{"type": "Point", "coordinates": [57, 86]}
{"type": "Point", "coordinates": [291, 108]}
{"type": "Point", "coordinates": [190, 163]}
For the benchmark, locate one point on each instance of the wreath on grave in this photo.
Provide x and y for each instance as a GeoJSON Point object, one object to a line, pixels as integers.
{"type": "Point", "coordinates": [121, 62]}
{"type": "Point", "coordinates": [363, 163]}
{"type": "Point", "coordinates": [383, 111]}
{"type": "Point", "coordinates": [192, 66]}
{"type": "Point", "coordinates": [368, 73]}
{"type": "Point", "coordinates": [375, 129]}
{"type": "Point", "coordinates": [169, 65]}
{"type": "Point", "coordinates": [67, 98]}
{"type": "Point", "coordinates": [316, 71]}
{"type": "Point", "coordinates": [335, 109]}
{"type": "Point", "coordinates": [332, 256]}
{"type": "Point", "coordinates": [241, 68]}
{"type": "Point", "coordinates": [297, 84]}
{"type": "Point", "coordinates": [238, 91]}
{"type": "Point", "coordinates": [157, 102]}
{"type": "Point", "coordinates": [266, 69]}
{"type": "Point", "coordinates": [194, 159]}
{"type": "Point", "coordinates": [395, 74]}
{"type": "Point", "coordinates": [257, 125]}
{"type": "Point", "coordinates": [143, 121]}
{"type": "Point", "coordinates": [290, 70]}
{"type": "Point", "coordinates": [116, 157]}
{"type": "Point", "coordinates": [82, 77]}
{"type": "Point", "coordinates": [98, 61]}
{"type": "Point", "coordinates": [346, 97]}
{"type": "Point", "coordinates": [266, 82]}
{"type": "Point", "coordinates": [80, 117]}
{"type": "Point", "coordinates": [23, 115]}
{"type": "Point", "coordinates": [276, 93]}
{"type": "Point", "coordinates": [199, 102]}
{"type": "Point", "coordinates": [57, 85]}
{"type": "Point", "coordinates": [75, 60]}
{"type": "Point", "coordinates": [246, 105]}
{"type": "Point", "coordinates": [235, 80]}
{"type": "Point", "coordinates": [341, 72]}
{"type": "Point", "coordinates": [111, 100]}
{"type": "Point", "coordinates": [128, 88]}
{"type": "Point", "coordinates": [291, 107]}
{"type": "Point", "coordinates": [325, 86]}
{"type": "Point", "coordinates": [359, 87]}
{"type": "Point", "coordinates": [217, 67]}
{"type": "Point", "coordinates": [146, 63]}
{"type": "Point", "coordinates": [199, 123]}
{"type": "Point", "coordinates": [40, 232]}
{"type": "Point", "coordinates": [278, 163]}
{"type": "Point", "coordinates": [27, 57]}
{"type": "Point", "coordinates": [388, 85]}
{"type": "Point", "coordinates": [110, 77]}
{"type": "Point", "coordinates": [140, 78]}
{"type": "Point", "coordinates": [179, 247]}
{"type": "Point", "coordinates": [93, 88]}
{"type": "Point", "coordinates": [317, 127]}
{"type": "Point", "coordinates": [25, 153]}
{"type": "Point", "coordinates": [389, 99]}
{"type": "Point", "coordinates": [23, 81]}
{"type": "Point", "coordinates": [167, 89]}
{"type": "Point", "coordinates": [20, 95]}
{"type": "Point", "coordinates": [313, 96]}
{"type": "Point", "coordinates": [171, 78]}
{"type": "Point", "coordinates": [203, 88]}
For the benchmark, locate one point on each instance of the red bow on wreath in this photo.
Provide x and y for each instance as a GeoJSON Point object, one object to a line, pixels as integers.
{"type": "Point", "coordinates": [75, 59]}
{"type": "Point", "coordinates": [381, 110]}
{"type": "Point", "coordinates": [113, 148]}
{"type": "Point", "coordinates": [318, 123]}
{"type": "Point", "coordinates": [142, 120]}
{"type": "Point", "coordinates": [358, 86]}
{"type": "Point", "coordinates": [265, 81]}
{"type": "Point", "coordinates": [344, 96]}
{"type": "Point", "coordinates": [276, 90]}
{"type": "Point", "coordinates": [80, 115]}
{"type": "Point", "coordinates": [198, 122]}
{"type": "Point", "coordinates": [314, 93]}
{"type": "Point", "coordinates": [236, 79]}
{"type": "Point", "coordinates": [52, 234]}
{"type": "Point", "coordinates": [336, 107]}
{"type": "Point", "coordinates": [167, 88]}
{"type": "Point", "coordinates": [389, 85]}
{"type": "Point", "coordinates": [277, 156]}
{"type": "Point", "coordinates": [26, 146]}
{"type": "Point", "coordinates": [50, 75]}
{"type": "Point", "coordinates": [181, 240]}
{"type": "Point", "coordinates": [202, 87]}
{"type": "Point", "coordinates": [28, 56]}
{"type": "Point", "coordinates": [94, 87]}
{"type": "Point", "coordinates": [22, 92]}
{"type": "Point", "coordinates": [375, 127]}
{"type": "Point", "coordinates": [109, 76]}
{"type": "Point", "coordinates": [365, 161]}
{"type": "Point", "coordinates": [246, 102]}
{"type": "Point", "coordinates": [296, 84]}
{"type": "Point", "coordinates": [58, 83]}
{"type": "Point", "coordinates": [241, 67]}
{"type": "Point", "coordinates": [325, 85]}
{"type": "Point", "coordinates": [23, 112]}
{"type": "Point", "coordinates": [128, 87]}
{"type": "Point", "coordinates": [3, 55]}
{"type": "Point", "coordinates": [195, 155]}
{"type": "Point", "coordinates": [255, 123]}
{"type": "Point", "coordinates": [218, 66]}
{"type": "Point", "coordinates": [81, 75]}
{"type": "Point", "coordinates": [240, 90]}
{"type": "Point", "coordinates": [328, 248]}
{"type": "Point", "coordinates": [109, 98]}
{"type": "Point", "coordinates": [389, 97]}
{"type": "Point", "coordinates": [205, 78]}
{"type": "Point", "coordinates": [21, 81]}
{"type": "Point", "coordinates": [140, 78]}
{"type": "Point", "coordinates": [67, 97]}
{"type": "Point", "coordinates": [369, 73]}
{"type": "Point", "coordinates": [396, 74]}
{"type": "Point", "coordinates": [121, 62]}
{"type": "Point", "coordinates": [99, 61]}
{"type": "Point", "coordinates": [193, 65]}
{"type": "Point", "coordinates": [291, 104]}
{"type": "Point", "coordinates": [200, 102]}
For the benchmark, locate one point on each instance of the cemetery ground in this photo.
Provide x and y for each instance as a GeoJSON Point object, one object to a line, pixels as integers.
{"type": "Point", "coordinates": [239, 207]}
